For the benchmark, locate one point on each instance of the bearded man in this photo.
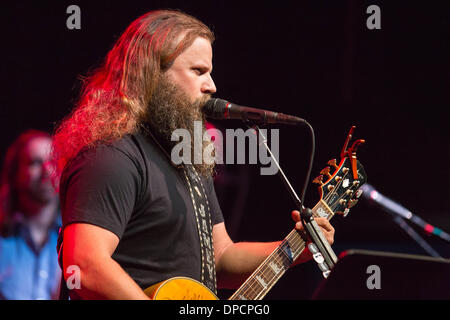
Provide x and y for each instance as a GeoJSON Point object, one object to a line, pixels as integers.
{"type": "Point", "coordinates": [131, 218]}
{"type": "Point", "coordinates": [29, 220]}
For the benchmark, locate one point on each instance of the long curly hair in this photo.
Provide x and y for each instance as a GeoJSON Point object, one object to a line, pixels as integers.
{"type": "Point", "coordinates": [115, 97]}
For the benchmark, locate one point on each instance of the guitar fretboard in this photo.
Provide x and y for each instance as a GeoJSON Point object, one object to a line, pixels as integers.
{"type": "Point", "coordinates": [276, 264]}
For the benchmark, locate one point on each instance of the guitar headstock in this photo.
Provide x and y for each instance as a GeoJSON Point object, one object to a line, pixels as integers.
{"type": "Point", "coordinates": [340, 190]}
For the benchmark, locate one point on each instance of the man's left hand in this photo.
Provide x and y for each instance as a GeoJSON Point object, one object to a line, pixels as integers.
{"type": "Point", "coordinates": [324, 224]}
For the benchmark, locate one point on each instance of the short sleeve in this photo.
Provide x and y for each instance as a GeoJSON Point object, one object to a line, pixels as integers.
{"type": "Point", "coordinates": [216, 211]}
{"type": "Point", "coordinates": [100, 186]}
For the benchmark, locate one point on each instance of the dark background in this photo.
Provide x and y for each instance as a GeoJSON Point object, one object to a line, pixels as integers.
{"type": "Point", "coordinates": [313, 59]}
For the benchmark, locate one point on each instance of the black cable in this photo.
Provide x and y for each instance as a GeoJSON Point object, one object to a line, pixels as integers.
{"type": "Point", "coordinates": [308, 173]}
{"type": "Point", "coordinates": [311, 228]}
{"type": "Point", "coordinates": [306, 214]}
{"type": "Point", "coordinates": [298, 201]}
{"type": "Point", "coordinates": [311, 161]}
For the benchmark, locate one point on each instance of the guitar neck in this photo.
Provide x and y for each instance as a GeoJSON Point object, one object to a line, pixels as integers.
{"type": "Point", "coordinates": [272, 269]}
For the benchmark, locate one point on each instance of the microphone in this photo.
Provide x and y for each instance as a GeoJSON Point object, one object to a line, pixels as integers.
{"type": "Point", "coordinates": [388, 205]}
{"type": "Point", "coordinates": [221, 109]}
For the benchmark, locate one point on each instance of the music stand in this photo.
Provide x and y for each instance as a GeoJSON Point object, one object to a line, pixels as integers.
{"type": "Point", "coordinates": [402, 276]}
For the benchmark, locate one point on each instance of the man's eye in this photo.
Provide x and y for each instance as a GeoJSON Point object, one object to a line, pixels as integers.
{"type": "Point", "coordinates": [198, 71]}
{"type": "Point", "coordinates": [35, 162]}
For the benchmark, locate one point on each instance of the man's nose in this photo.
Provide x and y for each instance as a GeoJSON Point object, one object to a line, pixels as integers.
{"type": "Point", "coordinates": [47, 169]}
{"type": "Point", "coordinates": [209, 86]}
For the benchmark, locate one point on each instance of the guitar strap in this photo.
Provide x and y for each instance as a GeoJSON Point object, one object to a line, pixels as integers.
{"type": "Point", "coordinates": [204, 227]}
{"type": "Point", "coordinates": [202, 216]}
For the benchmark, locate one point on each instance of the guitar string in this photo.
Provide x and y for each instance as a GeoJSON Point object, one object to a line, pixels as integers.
{"type": "Point", "coordinates": [357, 187]}
{"type": "Point", "coordinates": [334, 206]}
{"type": "Point", "coordinates": [330, 194]}
{"type": "Point", "coordinates": [252, 279]}
{"type": "Point", "coordinates": [270, 276]}
{"type": "Point", "coordinates": [294, 242]}
{"type": "Point", "coordinates": [265, 266]}
{"type": "Point", "coordinates": [270, 281]}
{"type": "Point", "coordinates": [298, 244]}
{"type": "Point", "coordinates": [249, 284]}
{"type": "Point", "coordinates": [327, 198]}
{"type": "Point", "coordinates": [263, 269]}
{"type": "Point", "coordinates": [336, 202]}
{"type": "Point", "coordinates": [336, 187]}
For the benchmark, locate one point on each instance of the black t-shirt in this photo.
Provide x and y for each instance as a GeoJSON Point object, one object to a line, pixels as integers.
{"type": "Point", "coordinates": [131, 189]}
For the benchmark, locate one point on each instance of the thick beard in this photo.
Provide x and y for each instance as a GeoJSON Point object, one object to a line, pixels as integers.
{"type": "Point", "coordinates": [170, 109]}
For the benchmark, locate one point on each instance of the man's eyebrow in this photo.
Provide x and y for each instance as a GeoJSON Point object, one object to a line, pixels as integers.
{"type": "Point", "coordinates": [203, 65]}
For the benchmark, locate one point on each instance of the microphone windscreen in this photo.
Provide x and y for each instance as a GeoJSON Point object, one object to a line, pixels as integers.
{"type": "Point", "coordinates": [215, 108]}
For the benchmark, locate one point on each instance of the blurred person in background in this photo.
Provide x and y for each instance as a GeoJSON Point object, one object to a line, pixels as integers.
{"type": "Point", "coordinates": [29, 221]}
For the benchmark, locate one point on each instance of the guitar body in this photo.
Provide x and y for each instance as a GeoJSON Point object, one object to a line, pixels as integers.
{"type": "Point", "coordinates": [180, 288]}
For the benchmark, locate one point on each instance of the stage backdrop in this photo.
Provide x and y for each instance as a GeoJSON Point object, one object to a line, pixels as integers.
{"type": "Point", "coordinates": [316, 60]}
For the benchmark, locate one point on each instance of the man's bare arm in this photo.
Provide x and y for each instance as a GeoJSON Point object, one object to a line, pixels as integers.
{"type": "Point", "coordinates": [90, 249]}
{"type": "Point", "coordinates": [236, 261]}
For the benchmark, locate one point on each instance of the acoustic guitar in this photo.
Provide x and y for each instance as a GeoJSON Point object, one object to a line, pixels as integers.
{"type": "Point", "coordinates": [338, 194]}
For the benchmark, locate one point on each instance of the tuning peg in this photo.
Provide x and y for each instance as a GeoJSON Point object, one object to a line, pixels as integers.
{"type": "Point", "coordinates": [345, 213]}
{"type": "Point", "coordinates": [318, 180]}
{"type": "Point", "coordinates": [359, 193]}
{"type": "Point", "coordinates": [351, 203]}
{"type": "Point", "coordinates": [332, 163]}
{"type": "Point", "coordinates": [326, 171]}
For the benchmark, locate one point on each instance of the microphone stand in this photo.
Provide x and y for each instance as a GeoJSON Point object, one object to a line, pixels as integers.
{"type": "Point", "coordinates": [400, 215]}
{"type": "Point", "coordinates": [322, 252]}
{"type": "Point", "coordinates": [415, 236]}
